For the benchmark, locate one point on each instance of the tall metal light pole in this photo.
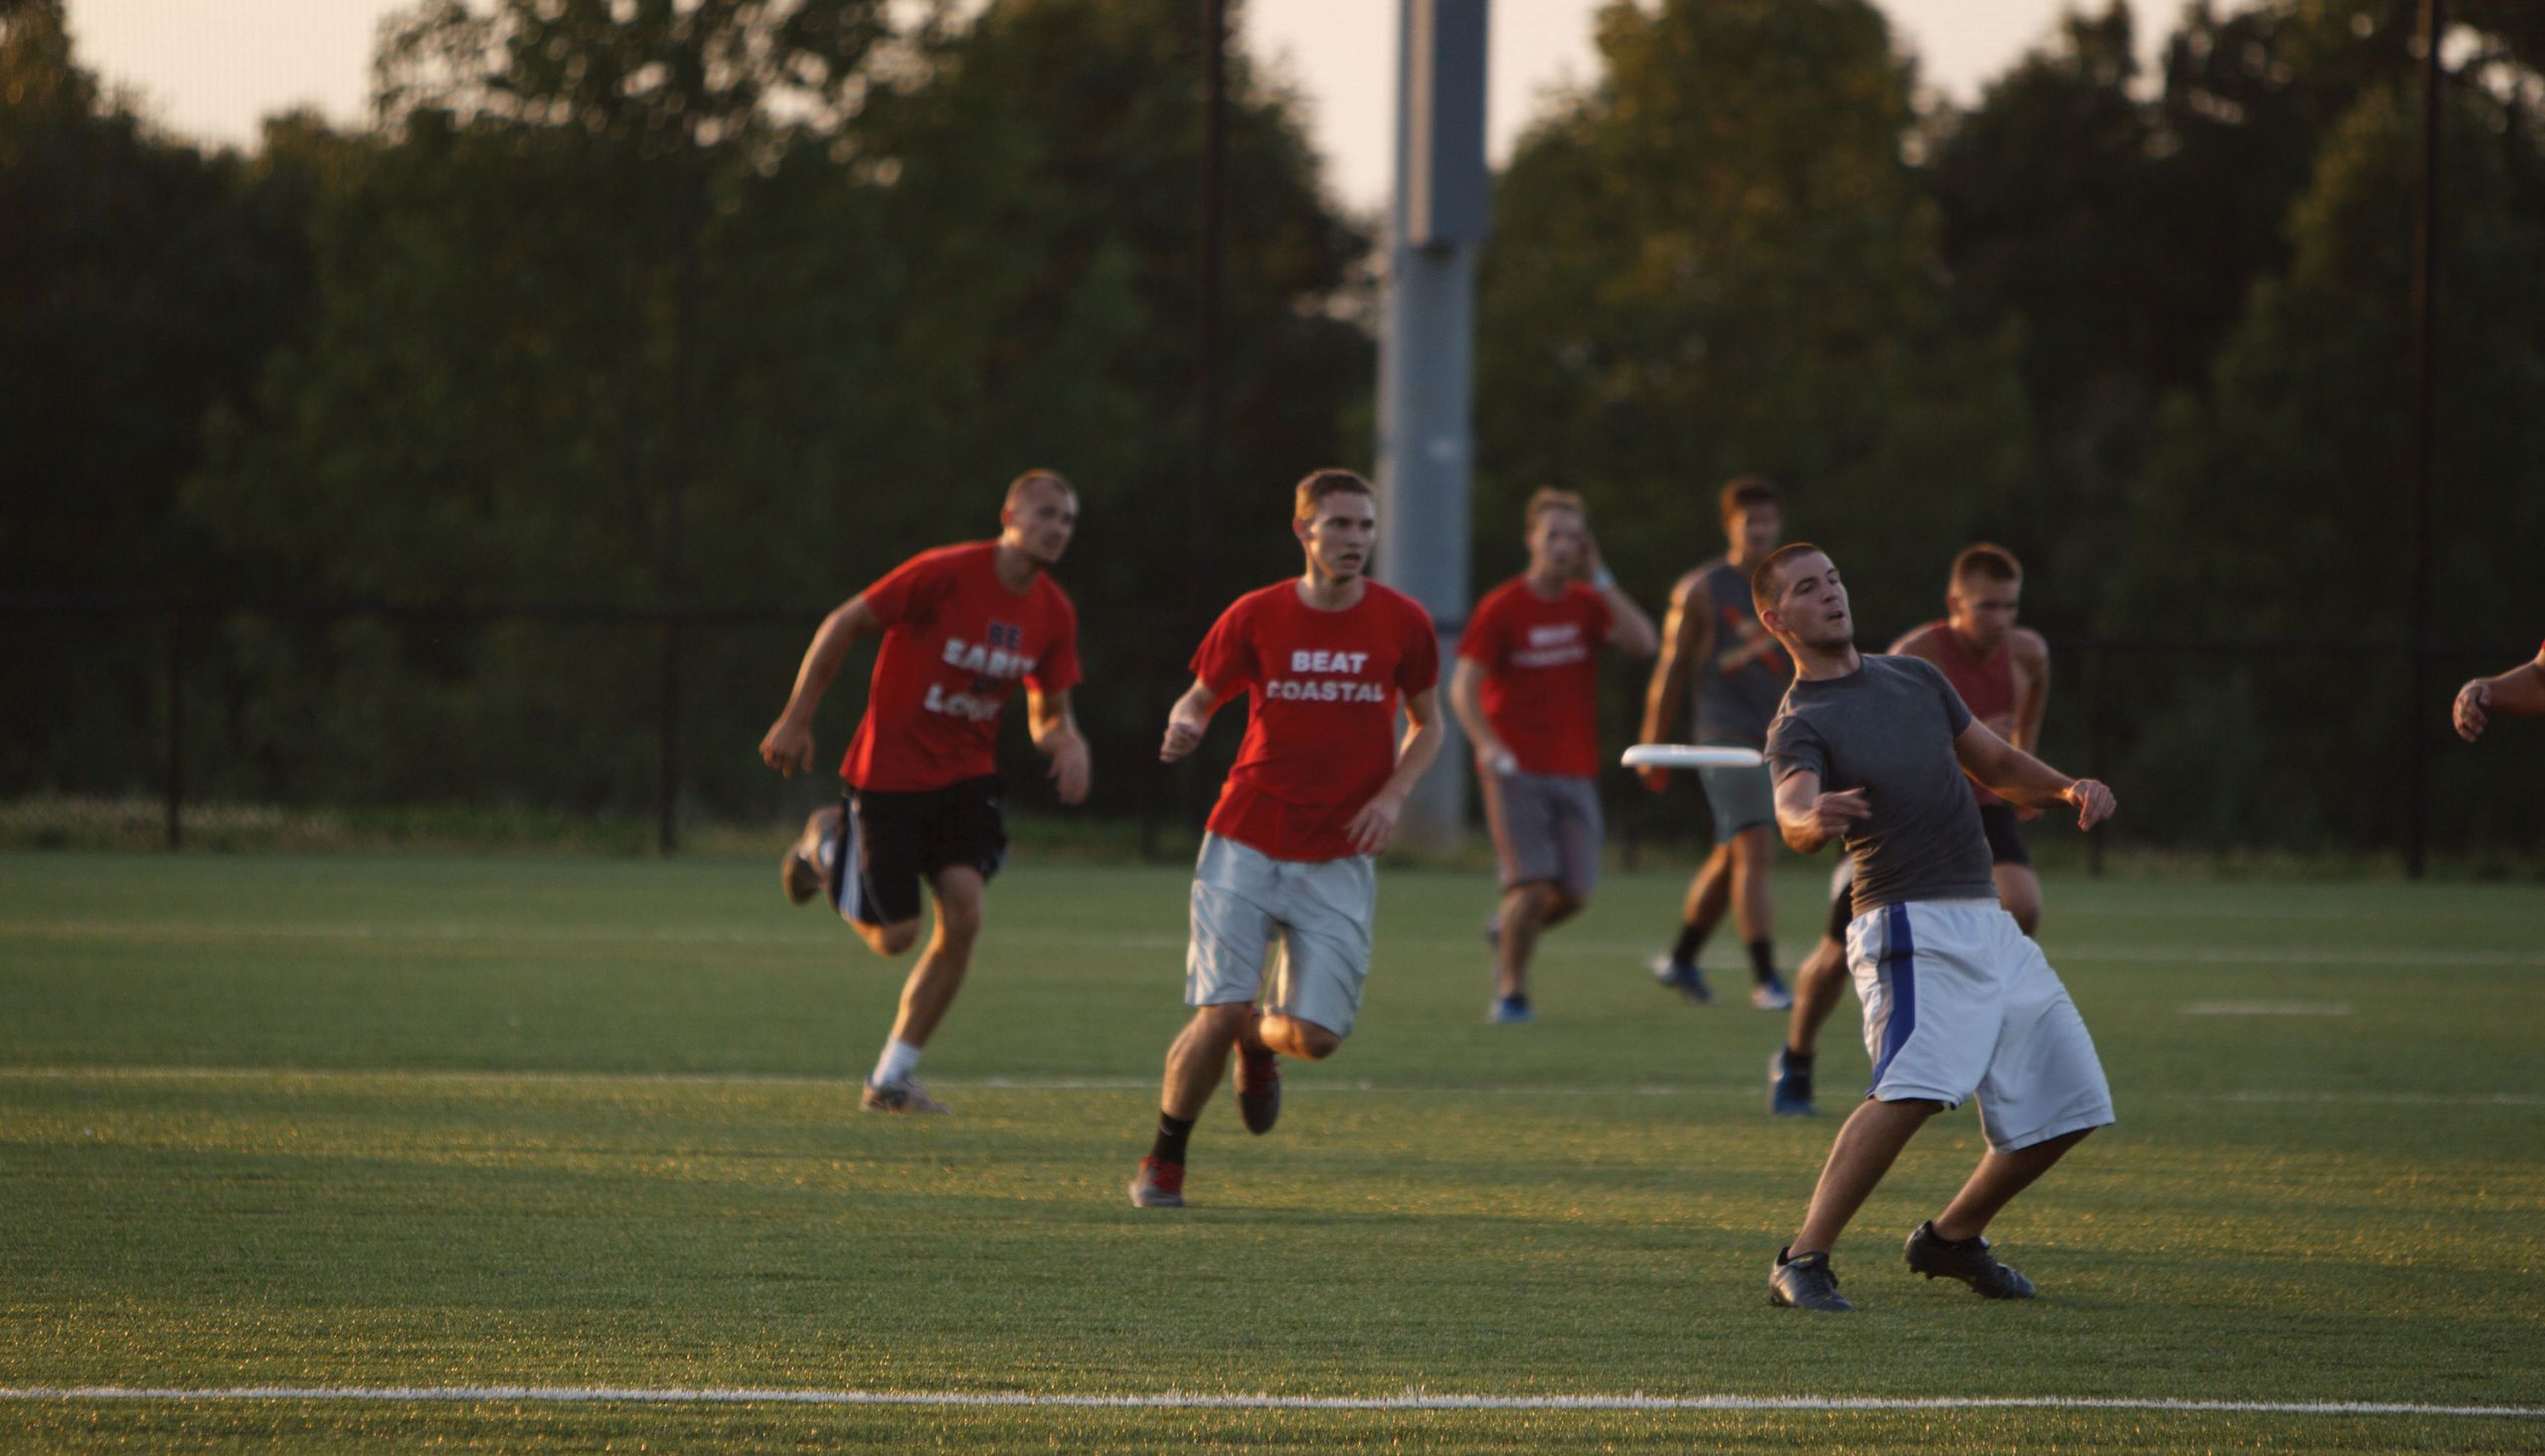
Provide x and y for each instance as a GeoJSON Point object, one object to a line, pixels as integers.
{"type": "Point", "coordinates": [1427, 353]}
{"type": "Point", "coordinates": [2434, 27]}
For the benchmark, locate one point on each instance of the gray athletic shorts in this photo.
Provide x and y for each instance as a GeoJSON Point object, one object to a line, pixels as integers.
{"type": "Point", "coordinates": [1318, 911]}
{"type": "Point", "coordinates": [1959, 1003]}
{"type": "Point", "coordinates": [1739, 797]}
{"type": "Point", "coordinates": [1545, 827]}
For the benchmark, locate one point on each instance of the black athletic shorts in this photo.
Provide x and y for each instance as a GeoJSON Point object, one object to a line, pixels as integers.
{"type": "Point", "coordinates": [2005, 842]}
{"type": "Point", "coordinates": [898, 840]}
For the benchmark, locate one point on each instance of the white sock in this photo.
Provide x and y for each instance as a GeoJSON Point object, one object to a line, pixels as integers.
{"type": "Point", "coordinates": [899, 1061]}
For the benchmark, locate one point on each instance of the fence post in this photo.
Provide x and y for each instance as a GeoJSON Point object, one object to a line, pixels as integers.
{"type": "Point", "coordinates": [667, 790]}
{"type": "Point", "coordinates": [2095, 759]}
{"type": "Point", "coordinates": [176, 668]}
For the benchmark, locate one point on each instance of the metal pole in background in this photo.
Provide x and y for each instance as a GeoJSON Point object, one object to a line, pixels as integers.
{"type": "Point", "coordinates": [2434, 26]}
{"type": "Point", "coordinates": [1203, 584]}
{"type": "Point", "coordinates": [1427, 353]}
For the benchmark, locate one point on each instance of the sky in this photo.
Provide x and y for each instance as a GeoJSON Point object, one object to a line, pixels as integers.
{"type": "Point", "coordinates": [214, 68]}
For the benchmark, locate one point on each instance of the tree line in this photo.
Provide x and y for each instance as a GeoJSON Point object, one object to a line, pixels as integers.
{"type": "Point", "coordinates": [720, 307]}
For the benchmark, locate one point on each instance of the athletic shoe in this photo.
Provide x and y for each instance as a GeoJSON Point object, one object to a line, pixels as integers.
{"type": "Point", "coordinates": [1259, 1090]}
{"type": "Point", "coordinates": [800, 871]}
{"type": "Point", "coordinates": [905, 1095]}
{"type": "Point", "coordinates": [1806, 1283]}
{"type": "Point", "coordinates": [1966, 1260]}
{"type": "Point", "coordinates": [1789, 1087]}
{"type": "Point", "coordinates": [1771, 995]}
{"type": "Point", "coordinates": [1509, 1011]}
{"type": "Point", "coordinates": [1158, 1185]}
{"type": "Point", "coordinates": [1682, 977]}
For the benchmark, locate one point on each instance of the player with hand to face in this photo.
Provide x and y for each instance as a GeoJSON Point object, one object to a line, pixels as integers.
{"type": "Point", "coordinates": [1285, 889]}
{"type": "Point", "coordinates": [1873, 752]}
{"type": "Point", "coordinates": [1527, 690]}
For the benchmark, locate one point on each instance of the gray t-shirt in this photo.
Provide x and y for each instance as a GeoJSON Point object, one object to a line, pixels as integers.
{"type": "Point", "coordinates": [1737, 691]}
{"type": "Point", "coordinates": [1888, 729]}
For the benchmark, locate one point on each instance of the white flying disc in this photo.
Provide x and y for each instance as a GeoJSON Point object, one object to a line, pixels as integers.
{"type": "Point", "coordinates": [1689, 755]}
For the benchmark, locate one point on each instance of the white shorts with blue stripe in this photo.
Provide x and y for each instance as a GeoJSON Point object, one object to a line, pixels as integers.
{"type": "Point", "coordinates": [1959, 1003]}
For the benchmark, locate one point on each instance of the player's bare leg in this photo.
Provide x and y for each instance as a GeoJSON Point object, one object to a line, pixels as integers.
{"type": "Point", "coordinates": [1817, 987]}
{"type": "Point", "coordinates": [1194, 1063]}
{"type": "Point", "coordinates": [1864, 1152]}
{"type": "Point", "coordinates": [1292, 1037]}
{"type": "Point", "coordinates": [2019, 890]}
{"type": "Point", "coordinates": [1709, 896]}
{"type": "Point", "coordinates": [1199, 1057]}
{"type": "Point", "coordinates": [930, 989]}
{"type": "Point", "coordinates": [1527, 909]}
{"type": "Point", "coordinates": [1753, 857]}
{"type": "Point", "coordinates": [1996, 1181]}
{"type": "Point", "coordinates": [889, 940]}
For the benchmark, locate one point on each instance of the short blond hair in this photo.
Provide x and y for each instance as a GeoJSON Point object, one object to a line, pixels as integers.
{"type": "Point", "coordinates": [1548, 498]}
{"type": "Point", "coordinates": [1017, 488]}
{"type": "Point", "coordinates": [1318, 484]}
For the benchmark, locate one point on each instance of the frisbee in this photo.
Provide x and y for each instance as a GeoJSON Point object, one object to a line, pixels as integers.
{"type": "Point", "coordinates": [1689, 755]}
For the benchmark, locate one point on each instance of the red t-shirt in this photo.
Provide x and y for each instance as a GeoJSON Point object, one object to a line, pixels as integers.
{"type": "Point", "coordinates": [1541, 667]}
{"type": "Point", "coordinates": [1323, 688]}
{"type": "Point", "coordinates": [956, 642]}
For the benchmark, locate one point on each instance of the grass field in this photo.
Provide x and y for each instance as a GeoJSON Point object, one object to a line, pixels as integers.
{"type": "Point", "coordinates": [389, 1123]}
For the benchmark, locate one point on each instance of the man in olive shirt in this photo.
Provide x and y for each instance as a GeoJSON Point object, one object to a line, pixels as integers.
{"type": "Point", "coordinates": [1957, 1000]}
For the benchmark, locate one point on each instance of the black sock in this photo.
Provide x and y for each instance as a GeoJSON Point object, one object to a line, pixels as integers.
{"type": "Point", "coordinates": [1171, 1133]}
{"type": "Point", "coordinates": [1762, 960]}
{"type": "Point", "coordinates": [1692, 938]}
{"type": "Point", "coordinates": [1798, 1060]}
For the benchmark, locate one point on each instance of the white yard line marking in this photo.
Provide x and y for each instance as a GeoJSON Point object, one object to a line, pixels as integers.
{"type": "Point", "coordinates": [2268, 1008]}
{"type": "Point", "coordinates": [480, 1077]}
{"type": "Point", "coordinates": [1180, 1401]}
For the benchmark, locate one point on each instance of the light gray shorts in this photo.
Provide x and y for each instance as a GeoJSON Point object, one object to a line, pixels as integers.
{"type": "Point", "coordinates": [1958, 1003]}
{"type": "Point", "coordinates": [1545, 827]}
{"type": "Point", "coordinates": [1318, 911]}
{"type": "Point", "coordinates": [1739, 797]}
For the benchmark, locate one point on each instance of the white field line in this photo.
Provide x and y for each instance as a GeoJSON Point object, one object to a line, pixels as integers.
{"type": "Point", "coordinates": [1163, 942]}
{"type": "Point", "coordinates": [2267, 1008]}
{"type": "Point", "coordinates": [1178, 1401]}
{"type": "Point", "coordinates": [480, 1077]}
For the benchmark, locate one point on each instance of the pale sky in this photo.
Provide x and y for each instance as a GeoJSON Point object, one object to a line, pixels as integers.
{"type": "Point", "coordinates": [213, 69]}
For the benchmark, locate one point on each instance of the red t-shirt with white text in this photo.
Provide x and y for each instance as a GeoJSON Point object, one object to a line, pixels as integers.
{"type": "Point", "coordinates": [1540, 688]}
{"type": "Point", "coordinates": [957, 641]}
{"type": "Point", "coordinates": [1323, 688]}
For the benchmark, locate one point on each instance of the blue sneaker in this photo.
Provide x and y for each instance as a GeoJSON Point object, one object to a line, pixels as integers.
{"type": "Point", "coordinates": [1790, 1086]}
{"type": "Point", "coordinates": [1682, 977]}
{"type": "Point", "coordinates": [1508, 1011]}
{"type": "Point", "coordinates": [1771, 995]}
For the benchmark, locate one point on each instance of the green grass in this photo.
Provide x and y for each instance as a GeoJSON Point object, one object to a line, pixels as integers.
{"type": "Point", "coordinates": [394, 1121]}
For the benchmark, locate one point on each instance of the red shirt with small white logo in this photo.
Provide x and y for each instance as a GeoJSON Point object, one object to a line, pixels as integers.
{"type": "Point", "coordinates": [1322, 692]}
{"type": "Point", "coordinates": [957, 641]}
{"type": "Point", "coordinates": [1540, 688]}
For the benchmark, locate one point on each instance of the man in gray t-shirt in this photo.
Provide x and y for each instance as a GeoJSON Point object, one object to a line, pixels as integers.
{"type": "Point", "coordinates": [1958, 1001]}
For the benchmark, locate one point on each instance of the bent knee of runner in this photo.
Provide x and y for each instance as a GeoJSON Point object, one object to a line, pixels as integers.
{"type": "Point", "coordinates": [893, 939]}
{"type": "Point", "coordinates": [1753, 846]}
{"type": "Point", "coordinates": [1302, 1038]}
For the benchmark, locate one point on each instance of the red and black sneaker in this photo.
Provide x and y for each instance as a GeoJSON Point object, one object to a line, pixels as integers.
{"type": "Point", "coordinates": [1259, 1088]}
{"type": "Point", "coordinates": [1158, 1185]}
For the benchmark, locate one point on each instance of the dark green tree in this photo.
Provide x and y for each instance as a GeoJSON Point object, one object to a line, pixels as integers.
{"type": "Point", "coordinates": [1718, 261]}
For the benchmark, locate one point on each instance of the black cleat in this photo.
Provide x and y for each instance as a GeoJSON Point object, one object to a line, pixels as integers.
{"type": "Point", "coordinates": [1258, 1091]}
{"type": "Point", "coordinates": [1806, 1283]}
{"type": "Point", "coordinates": [1966, 1259]}
{"type": "Point", "coordinates": [1789, 1085]}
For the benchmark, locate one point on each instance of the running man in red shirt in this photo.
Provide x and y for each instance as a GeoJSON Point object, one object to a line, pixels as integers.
{"type": "Point", "coordinates": [2517, 693]}
{"type": "Point", "coordinates": [2003, 674]}
{"type": "Point", "coordinates": [1527, 690]}
{"type": "Point", "coordinates": [961, 626]}
{"type": "Point", "coordinates": [1325, 661]}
